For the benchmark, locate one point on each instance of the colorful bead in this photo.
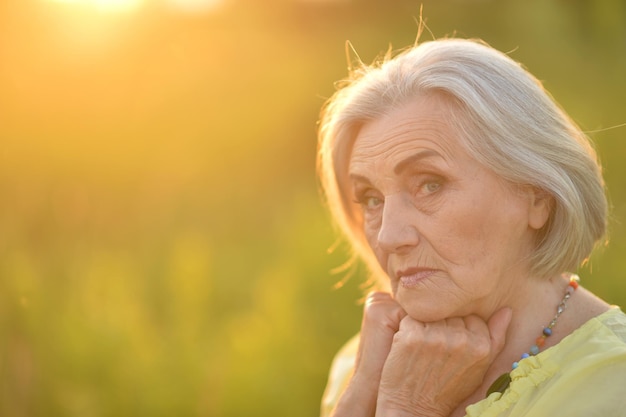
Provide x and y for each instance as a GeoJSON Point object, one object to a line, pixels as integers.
{"type": "Point", "coordinates": [502, 383]}
{"type": "Point", "coordinates": [547, 331]}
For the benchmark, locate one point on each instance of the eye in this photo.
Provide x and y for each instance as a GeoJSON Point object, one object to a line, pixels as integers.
{"type": "Point", "coordinates": [369, 201]}
{"type": "Point", "coordinates": [428, 185]}
{"type": "Point", "coordinates": [431, 186]}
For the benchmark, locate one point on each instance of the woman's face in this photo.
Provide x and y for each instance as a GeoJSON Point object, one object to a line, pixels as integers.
{"type": "Point", "coordinates": [452, 236]}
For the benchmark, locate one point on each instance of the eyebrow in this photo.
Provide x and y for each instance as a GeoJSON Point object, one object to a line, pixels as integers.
{"type": "Point", "coordinates": [411, 160]}
{"type": "Point", "coordinates": [402, 165]}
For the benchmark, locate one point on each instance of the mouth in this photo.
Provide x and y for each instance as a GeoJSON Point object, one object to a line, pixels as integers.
{"type": "Point", "coordinates": [411, 277]}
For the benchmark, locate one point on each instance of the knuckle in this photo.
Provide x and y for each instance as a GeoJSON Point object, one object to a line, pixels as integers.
{"type": "Point", "coordinates": [481, 348]}
{"type": "Point", "coordinates": [376, 301]}
{"type": "Point", "coordinates": [399, 338]}
{"type": "Point", "coordinates": [459, 342]}
{"type": "Point", "coordinates": [436, 340]}
{"type": "Point", "coordinates": [410, 332]}
{"type": "Point", "coordinates": [407, 322]}
{"type": "Point", "coordinates": [381, 310]}
{"type": "Point", "coordinates": [380, 303]}
{"type": "Point", "coordinates": [377, 296]}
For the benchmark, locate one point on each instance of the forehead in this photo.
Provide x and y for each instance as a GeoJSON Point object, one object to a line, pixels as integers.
{"type": "Point", "coordinates": [422, 125]}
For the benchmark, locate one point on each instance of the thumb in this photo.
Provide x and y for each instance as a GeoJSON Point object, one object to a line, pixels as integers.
{"type": "Point", "coordinates": [498, 325]}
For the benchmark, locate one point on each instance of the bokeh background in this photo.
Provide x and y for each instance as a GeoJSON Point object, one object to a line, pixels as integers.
{"type": "Point", "coordinates": [163, 248]}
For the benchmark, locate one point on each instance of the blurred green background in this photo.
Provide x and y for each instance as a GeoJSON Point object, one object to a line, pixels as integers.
{"type": "Point", "coordinates": [163, 248]}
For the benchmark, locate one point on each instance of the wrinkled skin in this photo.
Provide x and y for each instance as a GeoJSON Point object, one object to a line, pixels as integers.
{"type": "Point", "coordinates": [409, 368]}
{"type": "Point", "coordinates": [453, 238]}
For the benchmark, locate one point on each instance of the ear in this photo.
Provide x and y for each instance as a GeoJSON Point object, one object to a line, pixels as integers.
{"type": "Point", "coordinates": [540, 204]}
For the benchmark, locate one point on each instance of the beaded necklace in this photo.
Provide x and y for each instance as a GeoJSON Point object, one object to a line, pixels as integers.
{"type": "Point", "coordinates": [502, 383]}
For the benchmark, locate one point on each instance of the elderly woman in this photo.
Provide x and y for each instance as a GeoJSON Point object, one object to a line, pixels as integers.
{"type": "Point", "coordinates": [469, 193]}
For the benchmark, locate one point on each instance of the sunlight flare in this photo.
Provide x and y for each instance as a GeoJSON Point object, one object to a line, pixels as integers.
{"type": "Point", "coordinates": [194, 6]}
{"type": "Point", "coordinates": [117, 5]}
{"type": "Point", "coordinates": [106, 5]}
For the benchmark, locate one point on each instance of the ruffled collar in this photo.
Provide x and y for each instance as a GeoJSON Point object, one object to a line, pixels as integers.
{"type": "Point", "coordinates": [533, 371]}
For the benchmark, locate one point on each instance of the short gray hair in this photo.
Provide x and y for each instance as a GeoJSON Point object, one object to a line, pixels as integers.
{"type": "Point", "coordinates": [509, 123]}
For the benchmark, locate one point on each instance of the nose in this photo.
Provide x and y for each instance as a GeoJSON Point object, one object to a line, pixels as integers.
{"type": "Point", "coordinates": [397, 231]}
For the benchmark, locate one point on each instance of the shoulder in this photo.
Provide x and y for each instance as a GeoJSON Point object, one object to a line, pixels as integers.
{"type": "Point", "coordinates": [604, 336]}
{"type": "Point", "coordinates": [615, 321]}
{"type": "Point", "coordinates": [591, 370]}
{"type": "Point", "coordinates": [583, 375]}
{"type": "Point", "coordinates": [600, 341]}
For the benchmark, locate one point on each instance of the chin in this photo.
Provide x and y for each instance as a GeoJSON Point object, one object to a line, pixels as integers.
{"type": "Point", "coordinates": [426, 310]}
{"type": "Point", "coordinates": [426, 316]}
{"type": "Point", "coordinates": [424, 313]}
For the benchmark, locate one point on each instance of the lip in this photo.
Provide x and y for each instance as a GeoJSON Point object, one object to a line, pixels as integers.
{"type": "Point", "coordinates": [411, 277]}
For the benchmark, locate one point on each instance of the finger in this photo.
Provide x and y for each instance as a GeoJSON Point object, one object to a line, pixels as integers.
{"type": "Point", "coordinates": [382, 309]}
{"type": "Point", "coordinates": [376, 297]}
{"type": "Point", "coordinates": [408, 323]}
{"type": "Point", "coordinates": [381, 320]}
{"type": "Point", "coordinates": [498, 325]}
{"type": "Point", "coordinates": [456, 322]}
{"type": "Point", "coordinates": [477, 326]}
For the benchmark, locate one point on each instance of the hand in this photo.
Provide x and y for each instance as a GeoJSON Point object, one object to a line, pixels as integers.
{"type": "Point", "coordinates": [381, 320]}
{"type": "Point", "coordinates": [432, 367]}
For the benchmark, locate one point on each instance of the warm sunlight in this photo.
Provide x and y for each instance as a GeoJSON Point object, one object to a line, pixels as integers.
{"type": "Point", "coordinates": [194, 5]}
{"type": "Point", "coordinates": [107, 5]}
{"type": "Point", "coordinates": [130, 5]}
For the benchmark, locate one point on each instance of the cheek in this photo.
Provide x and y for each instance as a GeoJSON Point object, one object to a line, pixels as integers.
{"type": "Point", "coordinates": [486, 237]}
{"type": "Point", "coordinates": [466, 234]}
{"type": "Point", "coordinates": [370, 224]}
{"type": "Point", "coordinates": [371, 235]}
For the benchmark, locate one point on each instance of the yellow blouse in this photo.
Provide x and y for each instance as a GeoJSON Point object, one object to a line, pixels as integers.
{"type": "Point", "coordinates": [583, 375]}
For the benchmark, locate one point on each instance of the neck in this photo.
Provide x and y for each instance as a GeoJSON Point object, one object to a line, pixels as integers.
{"type": "Point", "coordinates": [533, 308]}
{"type": "Point", "coordinates": [534, 303]}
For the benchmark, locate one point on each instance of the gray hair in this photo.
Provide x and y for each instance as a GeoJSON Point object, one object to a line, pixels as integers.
{"type": "Point", "coordinates": [508, 122]}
